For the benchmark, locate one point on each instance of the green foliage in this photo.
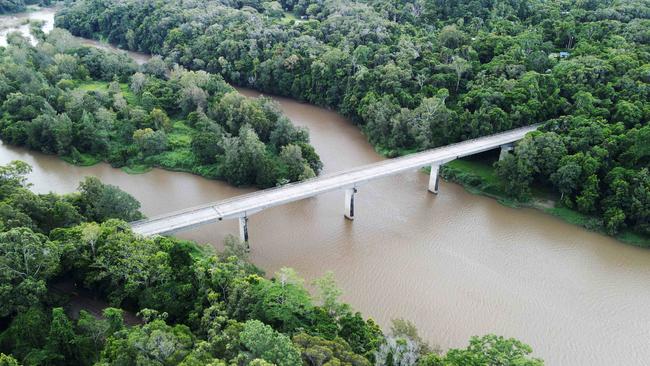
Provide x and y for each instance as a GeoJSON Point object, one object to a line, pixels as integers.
{"type": "Point", "coordinates": [7, 360]}
{"type": "Point", "coordinates": [27, 260]}
{"type": "Point", "coordinates": [363, 336]}
{"type": "Point", "coordinates": [194, 308]}
{"type": "Point", "coordinates": [417, 76]}
{"type": "Point", "coordinates": [492, 350]}
{"type": "Point", "coordinates": [62, 98]}
{"type": "Point", "coordinates": [319, 351]}
{"type": "Point", "coordinates": [265, 343]}
{"type": "Point", "coordinates": [155, 343]}
{"type": "Point", "coordinates": [329, 294]}
{"type": "Point", "coordinates": [100, 202]}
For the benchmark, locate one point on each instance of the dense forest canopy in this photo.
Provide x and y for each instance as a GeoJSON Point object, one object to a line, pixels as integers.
{"type": "Point", "coordinates": [194, 307]}
{"type": "Point", "coordinates": [86, 104]}
{"type": "Point", "coordinates": [420, 74]}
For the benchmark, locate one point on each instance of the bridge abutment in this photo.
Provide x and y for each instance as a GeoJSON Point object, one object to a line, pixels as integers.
{"type": "Point", "coordinates": [243, 231]}
{"type": "Point", "coordinates": [349, 203]}
{"type": "Point", "coordinates": [505, 150]}
{"type": "Point", "coordinates": [433, 178]}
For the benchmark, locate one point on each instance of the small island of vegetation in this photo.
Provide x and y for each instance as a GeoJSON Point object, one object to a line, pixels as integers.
{"type": "Point", "coordinates": [88, 105]}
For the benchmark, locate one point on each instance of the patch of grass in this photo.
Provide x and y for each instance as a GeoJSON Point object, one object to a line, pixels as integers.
{"type": "Point", "coordinates": [130, 98]}
{"type": "Point", "coordinates": [630, 237]}
{"type": "Point", "coordinates": [209, 171]}
{"type": "Point", "coordinates": [179, 140]}
{"type": "Point", "coordinates": [178, 160]}
{"type": "Point", "coordinates": [484, 172]}
{"type": "Point", "coordinates": [574, 217]}
{"type": "Point", "coordinates": [92, 85]}
{"type": "Point", "coordinates": [596, 224]}
{"type": "Point", "coordinates": [136, 169]}
{"type": "Point", "coordinates": [82, 159]}
{"type": "Point", "coordinates": [181, 136]}
{"type": "Point", "coordinates": [102, 86]}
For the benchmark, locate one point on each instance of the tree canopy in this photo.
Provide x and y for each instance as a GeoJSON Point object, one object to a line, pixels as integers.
{"type": "Point", "coordinates": [89, 105]}
{"type": "Point", "coordinates": [420, 74]}
{"type": "Point", "coordinates": [194, 307]}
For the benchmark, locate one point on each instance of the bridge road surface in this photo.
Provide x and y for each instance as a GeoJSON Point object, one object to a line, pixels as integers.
{"type": "Point", "coordinates": [245, 205]}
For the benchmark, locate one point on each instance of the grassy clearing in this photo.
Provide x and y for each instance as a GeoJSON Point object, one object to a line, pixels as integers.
{"type": "Point", "coordinates": [633, 238]}
{"type": "Point", "coordinates": [136, 169]}
{"type": "Point", "coordinates": [92, 85]}
{"type": "Point", "coordinates": [181, 135]}
{"type": "Point", "coordinates": [288, 16]}
{"type": "Point", "coordinates": [102, 86]}
{"type": "Point", "coordinates": [180, 159]}
{"type": "Point", "coordinates": [82, 160]}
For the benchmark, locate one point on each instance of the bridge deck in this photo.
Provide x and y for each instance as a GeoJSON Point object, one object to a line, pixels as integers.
{"type": "Point", "coordinates": [250, 203]}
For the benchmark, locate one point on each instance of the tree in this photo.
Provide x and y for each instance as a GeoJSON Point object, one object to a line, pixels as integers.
{"type": "Point", "coordinates": [12, 176]}
{"type": "Point", "coordinates": [138, 82]}
{"type": "Point", "coordinates": [492, 350]}
{"type": "Point", "coordinates": [156, 66]}
{"type": "Point", "coordinates": [99, 202]}
{"type": "Point", "coordinates": [6, 360]}
{"type": "Point", "coordinates": [149, 141]}
{"type": "Point", "coordinates": [329, 294]}
{"type": "Point", "coordinates": [363, 336]}
{"type": "Point", "coordinates": [284, 302]}
{"type": "Point", "coordinates": [567, 179]}
{"type": "Point", "coordinates": [460, 66]}
{"type": "Point", "coordinates": [586, 200]}
{"type": "Point", "coordinates": [451, 37]}
{"type": "Point", "coordinates": [154, 343]}
{"type": "Point", "coordinates": [243, 156]}
{"type": "Point", "coordinates": [265, 343]}
{"type": "Point", "coordinates": [318, 351]}
{"type": "Point", "coordinates": [92, 336]}
{"type": "Point", "coordinates": [126, 265]}
{"type": "Point", "coordinates": [61, 340]}
{"type": "Point", "coordinates": [516, 175]}
{"type": "Point", "coordinates": [26, 334]}
{"type": "Point", "coordinates": [206, 146]}
{"type": "Point", "coordinates": [27, 260]}
{"type": "Point", "coordinates": [297, 167]}
{"type": "Point", "coordinates": [159, 120]}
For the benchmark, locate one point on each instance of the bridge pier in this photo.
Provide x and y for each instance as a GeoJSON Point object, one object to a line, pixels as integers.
{"type": "Point", "coordinates": [243, 230]}
{"type": "Point", "coordinates": [349, 203]}
{"type": "Point", "coordinates": [433, 178]}
{"type": "Point", "coordinates": [505, 150]}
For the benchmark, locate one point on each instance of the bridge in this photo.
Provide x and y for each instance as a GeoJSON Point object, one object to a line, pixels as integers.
{"type": "Point", "coordinates": [241, 207]}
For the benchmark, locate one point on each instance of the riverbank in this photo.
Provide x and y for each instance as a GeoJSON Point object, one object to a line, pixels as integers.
{"type": "Point", "coordinates": [471, 265]}
{"type": "Point", "coordinates": [477, 176]}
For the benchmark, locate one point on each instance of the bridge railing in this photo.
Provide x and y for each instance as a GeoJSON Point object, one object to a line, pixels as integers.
{"type": "Point", "coordinates": [321, 178]}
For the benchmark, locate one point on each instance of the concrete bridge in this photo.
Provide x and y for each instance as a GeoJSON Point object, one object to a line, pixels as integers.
{"type": "Point", "coordinates": [241, 207]}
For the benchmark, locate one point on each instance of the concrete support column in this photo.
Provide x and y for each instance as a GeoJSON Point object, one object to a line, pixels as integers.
{"type": "Point", "coordinates": [243, 230]}
{"type": "Point", "coordinates": [433, 178]}
{"type": "Point", "coordinates": [349, 203]}
{"type": "Point", "coordinates": [505, 149]}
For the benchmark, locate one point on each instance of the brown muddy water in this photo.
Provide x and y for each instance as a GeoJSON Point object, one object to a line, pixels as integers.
{"type": "Point", "coordinates": [455, 264]}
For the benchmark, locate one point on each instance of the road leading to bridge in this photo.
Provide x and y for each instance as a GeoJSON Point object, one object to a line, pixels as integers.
{"type": "Point", "coordinates": [245, 205]}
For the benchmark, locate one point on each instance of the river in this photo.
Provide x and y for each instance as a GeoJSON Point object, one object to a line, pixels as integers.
{"type": "Point", "coordinates": [456, 264]}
